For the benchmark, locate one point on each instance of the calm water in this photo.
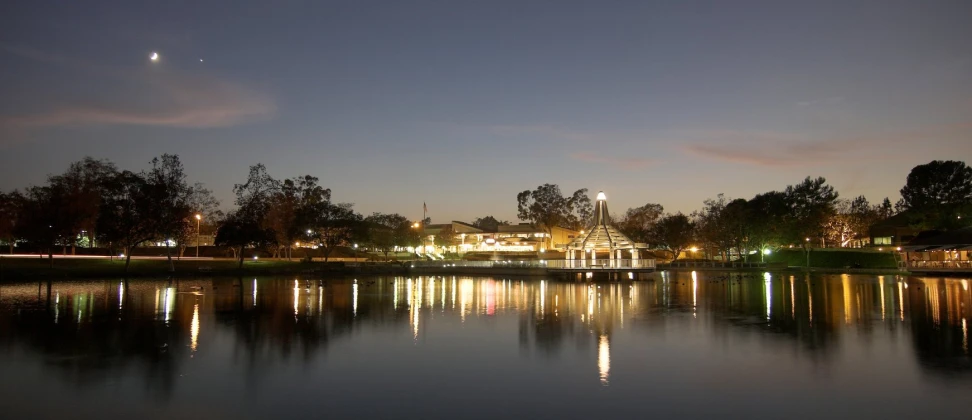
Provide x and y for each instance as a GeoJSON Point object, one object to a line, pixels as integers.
{"type": "Point", "coordinates": [711, 345]}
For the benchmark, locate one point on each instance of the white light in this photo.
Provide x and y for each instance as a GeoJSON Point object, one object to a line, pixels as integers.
{"type": "Point", "coordinates": [255, 258]}
{"type": "Point", "coordinates": [154, 56]}
{"type": "Point", "coordinates": [601, 196]}
{"type": "Point", "coordinates": [767, 251]}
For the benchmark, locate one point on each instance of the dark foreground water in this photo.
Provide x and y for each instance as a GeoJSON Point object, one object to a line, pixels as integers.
{"type": "Point", "coordinates": [711, 345]}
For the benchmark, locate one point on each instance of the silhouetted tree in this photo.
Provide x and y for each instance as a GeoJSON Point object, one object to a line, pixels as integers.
{"type": "Point", "coordinates": [639, 222]}
{"type": "Point", "coordinates": [546, 208]}
{"type": "Point", "coordinates": [675, 233]}
{"type": "Point", "coordinates": [128, 215]}
{"type": "Point", "coordinates": [938, 192]}
{"type": "Point", "coordinates": [386, 231]}
{"type": "Point", "coordinates": [81, 187]}
{"type": "Point", "coordinates": [169, 191]}
{"type": "Point", "coordinates": [489, 223]}
{"type": "Point", "coordinates": [9, 214]}
{"type": "Point", "coordinates": [811, 204]}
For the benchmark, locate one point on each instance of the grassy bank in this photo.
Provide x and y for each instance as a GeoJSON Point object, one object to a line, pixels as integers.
{"type": "Point", "coordinates": [36, 268]}
{"type": "Point", "coordinates": [835, 258]}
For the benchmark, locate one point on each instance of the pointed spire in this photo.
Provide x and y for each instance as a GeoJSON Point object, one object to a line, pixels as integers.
{"type": "Point", "coordinates": [601, 216]}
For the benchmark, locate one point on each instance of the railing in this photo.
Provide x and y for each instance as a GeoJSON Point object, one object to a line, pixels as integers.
{"type": "Point", "coordinates": [604, 264]}
{"type": "Point", "coordinates": [940, 265]}
{"type": "Point", "coordinates": [714, 264]}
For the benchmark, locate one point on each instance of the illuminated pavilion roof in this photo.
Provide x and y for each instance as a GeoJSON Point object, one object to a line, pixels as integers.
{"type": "Point", "coordinates": [601, 235]}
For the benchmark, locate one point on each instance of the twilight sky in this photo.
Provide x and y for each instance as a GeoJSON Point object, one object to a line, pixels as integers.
{"type": "Point", "coordinates": [462, 104]}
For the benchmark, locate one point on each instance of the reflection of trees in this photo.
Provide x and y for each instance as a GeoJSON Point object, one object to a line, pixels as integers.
{"type": "Point", "coordinates": [85, 335]}
{"type": "Point", "coordinates": [285, 318]}
{"type": "Point", "coordinates": [95, 330]}
{"type": "Point", "coordinates": [939, 312]}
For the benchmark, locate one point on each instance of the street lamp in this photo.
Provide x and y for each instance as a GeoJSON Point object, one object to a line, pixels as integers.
{"type": "Point", "coordinates": [198, 219]}
{"type": "Point", "coordinates": [807, 247]}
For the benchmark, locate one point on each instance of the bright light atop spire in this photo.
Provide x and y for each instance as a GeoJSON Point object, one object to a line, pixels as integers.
{"type": "Point", "coordinates": [601, 196]}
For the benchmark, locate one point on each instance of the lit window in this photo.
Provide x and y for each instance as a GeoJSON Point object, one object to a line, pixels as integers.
{"type": "Point", "coordinates": [883, 240]}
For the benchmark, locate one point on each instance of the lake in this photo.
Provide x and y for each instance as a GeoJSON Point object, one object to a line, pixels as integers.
{"type": "Point", "coordinates": [687, 345]}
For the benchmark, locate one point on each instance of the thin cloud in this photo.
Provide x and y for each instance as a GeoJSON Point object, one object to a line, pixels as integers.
{"type": "Point", "coordinates": [541, 130]}
{"type": "Point", "coordinates": [777, 149]}
{"type": "Point", "coordinates": [152, 96]}
{"type": "Point", "coordinates": [623, 163]}
{"type": "Point", "coordinates": [784, 155]}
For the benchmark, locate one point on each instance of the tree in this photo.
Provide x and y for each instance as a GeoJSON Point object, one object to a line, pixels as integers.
{"type": "Point", "coordinates": [240, 231]}
{"type": "Point", "coordinates": [639, 222]}
{"type": "Point", "coordinates": [674, 232]}
{"type": "Point", "coordinates": [386, 231]}
{"type": "Point", "coordinates": [840, 227]}
{"type": "Point", "coordinates": [336, 225]}
{"type": "Point", "coordinates": [937, 192]}
{"type": "Point", "coordinates": [489, 223]}
{"type": "Point", "coordinates": [545, 208]}
{"type": "Point", "coordinates": [81, 186]}
{"type": "Point", "coordinates": [293, 208]}
{"type": "Point", "coordinates": [713, 227]}
{"type": "Point", "coordinates": [202, 203]}
{"type": "Point", "coordinates": [446, 237]}
{"type": "Point", "coordinates": [811, 204]}
{"type": "Point", "coordinates": [128, 214]}
{"type": "Point", "coordinates": [885, 210]}
{"type": "Point", "coordinates": [170, 194]}
{"type": "Point", "coordinates": [767, 220]}
{"type": "Point", "coordinates": [9, 213]}
{"type": "Point", "coordinates": [254, 200]}
{"type": "Point", "coordinates": [45, 219]}
{"type": "Point", "coordinates": [254, 197]}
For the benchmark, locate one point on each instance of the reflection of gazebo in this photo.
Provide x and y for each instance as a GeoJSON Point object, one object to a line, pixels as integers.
{"type": "Point", "coordinates": [602, 237]}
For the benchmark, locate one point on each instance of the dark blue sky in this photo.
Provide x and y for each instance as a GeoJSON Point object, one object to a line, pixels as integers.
{"type": "Point", "coordinates": [463, 104]}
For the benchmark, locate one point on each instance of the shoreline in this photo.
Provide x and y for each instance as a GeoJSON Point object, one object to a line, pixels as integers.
{"type": "Point", "coordinates": [33, 269]}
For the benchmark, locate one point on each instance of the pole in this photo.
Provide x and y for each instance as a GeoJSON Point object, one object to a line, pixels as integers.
{"type": "Point", "coordinates": [197, 237]}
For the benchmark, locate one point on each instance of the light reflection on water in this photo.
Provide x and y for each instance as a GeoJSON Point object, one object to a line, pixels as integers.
{"type": "Point", "coordinates": [699, 342]}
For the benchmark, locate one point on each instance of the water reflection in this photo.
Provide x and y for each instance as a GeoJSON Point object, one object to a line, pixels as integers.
{"type": "Point", "coordinates": [90, 332]}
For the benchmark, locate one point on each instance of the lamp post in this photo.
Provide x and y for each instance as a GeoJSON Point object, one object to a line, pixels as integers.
{"type": "Point", "coordinates": [198, 219]}
{"type": "Point", "coordinates": [807, 246]}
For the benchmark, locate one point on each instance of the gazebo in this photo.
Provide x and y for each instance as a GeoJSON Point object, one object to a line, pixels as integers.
{"type": "Point", "coordinates": [603, 238]}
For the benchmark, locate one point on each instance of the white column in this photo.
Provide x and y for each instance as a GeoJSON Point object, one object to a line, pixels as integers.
{"type": "Point", "coordinates": [634, 257]}
{"type": "Point", "coordinates": [611, 257]}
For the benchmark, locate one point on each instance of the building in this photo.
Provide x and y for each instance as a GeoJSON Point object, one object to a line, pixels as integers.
{"type": "Point", "coordinates": [604, 240]}
{"type": "Point", "coordinates": [522, 237]}
{"type": "Point", "coordinates": [893, 232]}
{"type": "Point", "coordinates": [940, 250]}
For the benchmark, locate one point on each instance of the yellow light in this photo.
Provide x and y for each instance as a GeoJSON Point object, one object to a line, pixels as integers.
{"type": "Point", "coordinates": [808, 239]}
{"type": "Point", "coordinates": [604, 359]}
{"type": "Point", "coordinates": [198, 217]}
{"type": "Point", "coordinates": [296, 243]}
{"type": "Point", "coordinates": [693, 249]}
{"type": "Point", "coordinates": [194, 329]}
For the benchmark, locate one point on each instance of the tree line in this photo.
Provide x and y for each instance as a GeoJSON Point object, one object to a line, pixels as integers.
{"type": "Point", "coordinates": [93, 202]}
{"type": "Point", "coordinates": [808, 214]}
